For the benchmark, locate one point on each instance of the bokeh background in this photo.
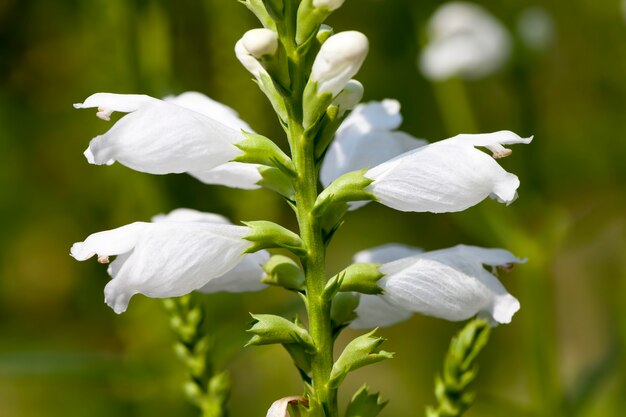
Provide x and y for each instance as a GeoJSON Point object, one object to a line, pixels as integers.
{"type": "Point", "coordinates": [64, 353]}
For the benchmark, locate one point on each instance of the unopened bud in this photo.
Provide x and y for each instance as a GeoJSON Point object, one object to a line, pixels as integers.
{"type": "Point", "coordinates": [248, 61]}
{"type": "Point", "coordinates": [329, 4]}
{"type": "Point", "coordinates": [324, 33]}
{"type": "Point", "coordinates": [338, 60]}
{"type": "Point", "coordinates": [350, 96]}
{"type": "Point", "coordinates": [260, 42]}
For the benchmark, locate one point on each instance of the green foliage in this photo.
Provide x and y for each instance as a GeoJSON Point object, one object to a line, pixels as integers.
{"type": "Point", "coordinates": [459, 371]}
{"type": "Point", "coordinates": [206, 388]}
{"type": "Point", "coordinates": [360, 352]}
{"type": "Point", "coordinates": [364, 404]}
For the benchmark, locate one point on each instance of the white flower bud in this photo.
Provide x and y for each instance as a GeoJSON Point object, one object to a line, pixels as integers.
{"type": "Point", "coordinates": [329, 4]}
{"type": "Point", "coordinates": [260, 42]}
{"type": "Point", "coordinates": [350, 96]}
{"type": "Point", "coordinates": [338, 60]}
{"type": "Point", "coordinates": [248, 61]}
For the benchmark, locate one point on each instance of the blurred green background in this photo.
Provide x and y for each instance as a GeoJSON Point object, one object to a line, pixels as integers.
{"type": "Point", "coordinates": [64, 353]}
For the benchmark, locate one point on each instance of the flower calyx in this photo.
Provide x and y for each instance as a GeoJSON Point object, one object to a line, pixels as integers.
{"type": "Point", "coordinates": [269, 329]}
{"type": "Point", "coordinates": [364, 404]}
{"type": "Point", "coordinates": [359, 277]}
{"type": "Point", "coordinates": [258, 149]}
{"type": "Point", "coordinates": [311, 14]}
{"type": "Point", "coordinates": [349, 187]}
{"type": "Point", "coordinates": [264, 235]}
{"type": "Point", "coordinates": [284, 272]}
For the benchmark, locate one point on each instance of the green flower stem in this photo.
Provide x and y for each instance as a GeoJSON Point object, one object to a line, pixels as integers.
{"type": "Point", "coordinates": [205, 388]}
{"type": "Point", "coordinates": [306, 192]}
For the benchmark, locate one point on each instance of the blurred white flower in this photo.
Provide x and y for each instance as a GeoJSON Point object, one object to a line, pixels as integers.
{"type": "Point", "coordinates": [366, 138]}
{"type": "Point", "coordinates": [447, 176]}
{"type": "Point", "coordinates": [280, 408]}
{"type": "Point", "coordinates": [338, 60]}
{"type": "Point", "coordinates": [450, 283]}
{"type": "Point", "coordinates": [464, 40]}
{"type": "Point", "coordinates": [164, 258]}
{"type": "Point", "coordinates": [158, 137]}
{"type": "Point", "coordinates": [535, 27]}
{"type": "Point", "coordinates": [231, 174]}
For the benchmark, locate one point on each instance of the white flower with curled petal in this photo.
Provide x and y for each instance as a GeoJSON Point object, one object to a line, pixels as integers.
{"type": "Point", "coordinates": [366, 138]}
{"type": "Point", "coordinates": [447, 176]}
{"type": "Point", "coordinates": [158, 137]}
{"type": "Point", "coordinates": [464, 40]}
{"type": "Point", "coordinates": [450, 283]}
{"type": "Point", "coordinates": [231, 174]}
{"type": "Point", "coordinates": [163, 259]}
{"type": "Point", "coordinates": [338, 60]}
{"type": "Point", "coordinates": [245, 277]}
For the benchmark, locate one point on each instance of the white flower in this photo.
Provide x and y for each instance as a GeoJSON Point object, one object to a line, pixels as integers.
{"type": "Point", "coordinates": [349, 97]}
{"type": "Point", "coordinates": [280, 408]}
{"type": "Point", "coordinates": [536, 28]}
{"type": "Point", "coordinates": [260, 42]}
{"type": "Point", "coordinates": [230, 174]}
{"type": "Point", "coordinates": [338, 60]}
{"type": "Point", "coordinates": [248, 58]}
{"type": "Point", "coordinates": [163, 259]}
{"type": "Point", "coordinates": [447, 176]}
{"type": "Point", "coordinates": [366, 138]}
{"type": "Point", "coordinates": [329, 4]}
{"type": "Point", "coordinates": [450, 283]}
{"type": "Point", "coordinates": [158, 137]}
{"type": "Point", "coordinates": [245, 277]}
{"type": "Point", "coordinates": [464, 40]}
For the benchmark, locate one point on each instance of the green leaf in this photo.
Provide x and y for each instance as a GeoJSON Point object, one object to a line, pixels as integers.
{"type": "Point", "coordinates": [271, 329]}
{"type": "Point", "coordinates": [264, 235]}
{"type": "Point", "coordinates": [360, 352]}
{"type": "Point", "coordinates": [364, 404]}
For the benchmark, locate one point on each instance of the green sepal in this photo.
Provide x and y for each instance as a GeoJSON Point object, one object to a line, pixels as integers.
{"type": "Point", "coordinates": [265, 235]}
{"type": "Point", "coordinates": [284, 272]}
{"type": "Point", "coordinates": [301, 358]}
{"type": "Point", "coordinates": [315, 104]}
{"type": "Point", "coordinates": [258, 149]}
{"type": "Point", "coordinates": [275, 180]}
{"type": "Point", "coordinates": [258, 8]}
{"type": "Point", "coordinates": [267, 86]}
{"type": "Point", "coordinates": [364, 404]}
{"type": "Point", "coordinates": [277, 66]}
{"type": "Point", "coordinates": [360, 352]}
{"type": "Point", "coordinates": [342, 310]}
{"type": "Point", "coordinates": [360, 277]}
{"type": "Point", "coordinates": [275, 8]}
{"type": "Point", "coordinates": [327, 128]}
{"type": "Point", "coordinates": [270, 329]}
{"type": "Point", "coordinates": [309, 20]}
{"type": "Point", "coordinates": [349, 187]}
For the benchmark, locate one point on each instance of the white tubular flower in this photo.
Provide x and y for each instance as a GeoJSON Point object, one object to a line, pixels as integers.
{"type": "Point", "coordinates": [450, 283]}
{"type": "Point", "coordinates": [349, 97]}
{"type": "Point", "coordinates": [466, 41]}
{"type": "Point", "coordinates": [338, 60]}
{"type": "Point", "coordinates": [366, 138]}
{"type": "Point", "coordinates": [230, 174]}
{"type": "Point", "coordinates": [245, 277]}
{"type": "Point", "coordinates": [447, 176]}
{"type": "Point", "coordinates": [158, 137]}
{"type": "Point", "coordinates": [255, 44]}
{"type": "Point", "coordinates": [331, 5]}
{"type": "Point", "coordinates": [373, 310]}
{"type": "Point", "coordinates": [260, 42]}
{"type": "Point", "coordinates": [164, 259]}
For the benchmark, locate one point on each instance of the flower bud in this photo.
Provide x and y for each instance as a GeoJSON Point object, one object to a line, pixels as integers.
{"type": "Point", "coordinates": [260, 42]}
{"type": "Point", "coordinates": [329, 4]}
{"type": "Point", "coordinates": [350, 96]}
{"type": "Point", "coordinates": [338, 60]}
{"type": "Point", "coordinates": [324, 33]}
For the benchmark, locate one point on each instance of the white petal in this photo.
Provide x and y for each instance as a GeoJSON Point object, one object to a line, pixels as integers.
{"type": "Point", "coordinates": [260, 42]}
{"type": "Point", "coordinates": [465, 40]}
{"type": "Point", "coordinates": [245, 277]}
{"type": "Point", "coordinates": [338, 60]}
{"type": "Point", "coordinates": [446, 176]}
{"type": "Point", "coordinates": [279, 408]}
{"type": "Point", "coordinates": [248, 61]}
{"type": "Point", "coordinates": [190, 215]}
{"type": "Point", "coordinates": [232, 174]}
{"type": "Point", "coordinates": [162, 138]}
{"type": "Point", "coordinates": [451, 284]}
{"type": "Point", "coordinates": [166, 259]}
{"type": "Point", "coordinates": [111, 102]}
{"type": "Point", "coordinates": [365, 139]}
{"type": "Point", "coordinates": [374, 311]}
{"type": "Point", "coordinates": [200, 103]}
{"type": "Point", "coordinates": [386, 253]}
